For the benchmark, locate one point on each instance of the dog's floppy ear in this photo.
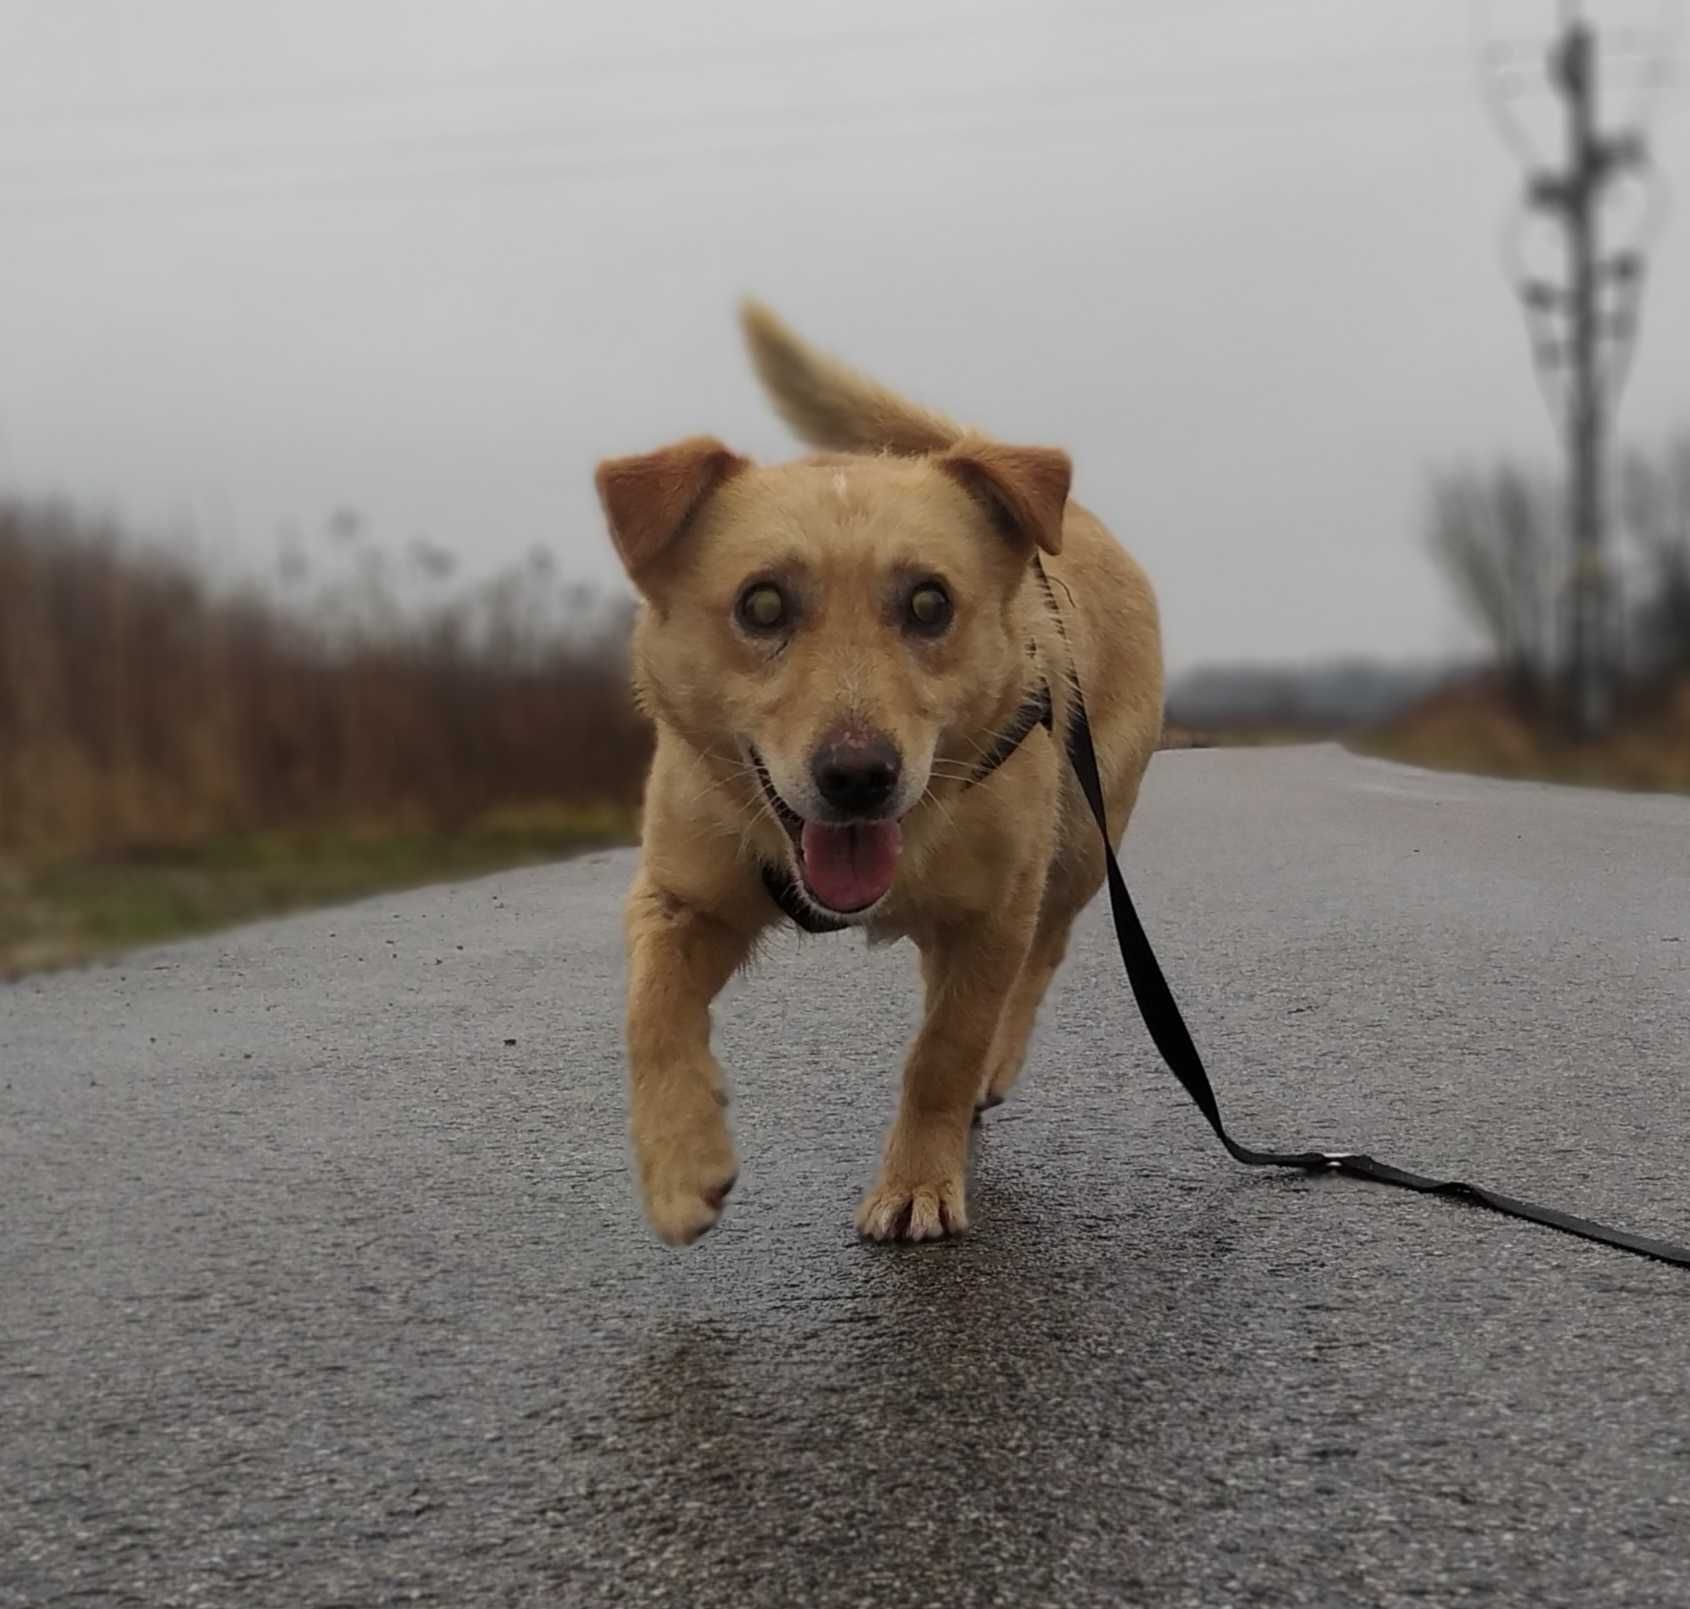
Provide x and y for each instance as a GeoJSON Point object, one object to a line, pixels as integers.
{"type": "Point", "coordinates": [649, 498]}
{"type": "Point", "coordinates": [1026, 488]}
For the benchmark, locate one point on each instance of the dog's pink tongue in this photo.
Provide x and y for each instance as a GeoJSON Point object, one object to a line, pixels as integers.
{"type": "Point", "coordinates": [847, 868]}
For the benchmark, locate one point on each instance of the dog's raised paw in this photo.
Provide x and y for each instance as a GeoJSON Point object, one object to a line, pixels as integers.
{"type": "Point", "coordinates": [926, 1211]}
{"type": "Point", "coordinates": [685, 1177]}
{"type": "Point", "coordinates": [681, 1209]}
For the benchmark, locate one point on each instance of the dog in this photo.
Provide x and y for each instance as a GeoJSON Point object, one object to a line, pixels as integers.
{"type": "Point", "coordinates": [861, 668]}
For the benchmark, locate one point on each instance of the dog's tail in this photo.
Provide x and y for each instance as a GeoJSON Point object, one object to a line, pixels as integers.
{"type": "Point", "coordinates": [829, 404]}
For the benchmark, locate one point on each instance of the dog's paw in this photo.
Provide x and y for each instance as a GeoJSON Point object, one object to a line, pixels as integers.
{"type": "Point", "coordinates": [897, 1209]}
{"type": "Point", "coordinates": [685, 1179]}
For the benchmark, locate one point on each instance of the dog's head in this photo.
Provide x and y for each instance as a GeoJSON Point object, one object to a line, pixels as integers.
{"type": "Point", "coordinates": [851, 629]}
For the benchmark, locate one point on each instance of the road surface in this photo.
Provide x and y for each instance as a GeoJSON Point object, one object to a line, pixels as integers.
{"type": "Point", "coordinates": [322, 1283]}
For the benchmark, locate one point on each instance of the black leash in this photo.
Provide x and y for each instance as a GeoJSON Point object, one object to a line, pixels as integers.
{"type": "Point", "coordinates": [1173, 1039]}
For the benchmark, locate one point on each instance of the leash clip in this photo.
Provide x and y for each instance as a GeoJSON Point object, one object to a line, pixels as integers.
{"type": "Point", "coordinates": [1336, 1159]}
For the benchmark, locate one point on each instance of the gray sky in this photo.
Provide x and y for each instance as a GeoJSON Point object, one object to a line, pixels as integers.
{"type": "Point", "coordinates": [432, 261]}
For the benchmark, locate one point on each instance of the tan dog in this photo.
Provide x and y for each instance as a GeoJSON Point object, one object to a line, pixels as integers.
{"type": "Point", "coordinates": [839, 655]}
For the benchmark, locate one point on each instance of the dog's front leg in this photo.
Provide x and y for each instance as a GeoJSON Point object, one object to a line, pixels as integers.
{"type": "Point", "coordinates": [921, 1193]}
{"type": "Point", "coordinates": [679, 957]}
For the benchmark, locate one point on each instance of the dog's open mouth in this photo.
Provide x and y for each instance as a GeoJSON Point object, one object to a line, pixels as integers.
{"type": "Point", "coordinates": [844, 868]}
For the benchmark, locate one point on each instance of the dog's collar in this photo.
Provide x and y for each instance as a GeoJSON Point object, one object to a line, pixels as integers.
{"type": "Point", "coordinates": [1035, 711]}
{"type": "Point", "coordinates": [782, 886]}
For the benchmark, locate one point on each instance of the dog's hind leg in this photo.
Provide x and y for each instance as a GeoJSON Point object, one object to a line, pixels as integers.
{"type": "Point", "coordinates": [1015, 1026]}
{"type": "Point", "coordinates": [1074, 882]}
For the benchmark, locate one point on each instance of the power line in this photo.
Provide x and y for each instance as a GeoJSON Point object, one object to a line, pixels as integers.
{"type": "Point", "coordinates": [1510, 69]}
{"type": "Point", "coordinates": [1583, 332]}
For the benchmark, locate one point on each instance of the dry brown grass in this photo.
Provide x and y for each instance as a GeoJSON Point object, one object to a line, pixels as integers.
{"type": "Point", "coordinates": [141, 709]}
{"type": "Point", "coordinates": [1477, 727]}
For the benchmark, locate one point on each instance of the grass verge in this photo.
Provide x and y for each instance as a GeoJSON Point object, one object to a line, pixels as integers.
{"type": "Point", "coordinates": [1474, 728]}
{"type": "Point", "coordinates": [70, 911]}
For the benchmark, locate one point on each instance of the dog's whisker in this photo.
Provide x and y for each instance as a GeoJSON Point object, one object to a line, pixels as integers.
{"type": "Point", "coordinates": [740, 813]}
{"type": "Point", "coordinates": [1007, 735]}
{"type": "Point", "coordinates": [721, 784]}
{"type": "Point", "coordinates": [946, 810]}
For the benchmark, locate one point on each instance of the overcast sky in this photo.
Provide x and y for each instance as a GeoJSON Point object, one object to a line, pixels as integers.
{"type": "Point", "coordinates": [432, 260]}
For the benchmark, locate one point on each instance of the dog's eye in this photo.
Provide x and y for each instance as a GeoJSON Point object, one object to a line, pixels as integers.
{"type": "Point", "coordinates": [930, 607]}
{"type": "Point", "coordinates": [762, 607]}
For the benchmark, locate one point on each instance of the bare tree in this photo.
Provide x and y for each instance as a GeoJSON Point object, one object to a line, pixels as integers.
{"type": "Point", "coordinates": [1501, 539]}
{"type": "Point", "coordinates": [1656, 498]}
{"type": "Point", "coordinates": [1493, 535]}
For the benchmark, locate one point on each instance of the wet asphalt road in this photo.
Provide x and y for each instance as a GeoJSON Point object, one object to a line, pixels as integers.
{"type": "Point", "coordinates": [321, 1280]}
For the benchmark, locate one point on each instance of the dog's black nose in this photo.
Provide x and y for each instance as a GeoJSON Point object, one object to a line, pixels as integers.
{"type": "Point", "coordinates": [856, 776]}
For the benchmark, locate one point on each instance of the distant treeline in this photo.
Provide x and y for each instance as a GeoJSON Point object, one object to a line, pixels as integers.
{"type": "Point", "coordinates": [1328, 696]}
{"type": "Point", "coordinates": [141, 706]}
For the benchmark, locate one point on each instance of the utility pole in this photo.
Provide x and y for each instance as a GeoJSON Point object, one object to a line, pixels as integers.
{"type": "Point", "coordinates": [1573, 195]}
